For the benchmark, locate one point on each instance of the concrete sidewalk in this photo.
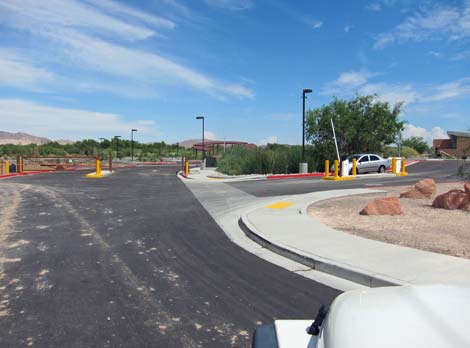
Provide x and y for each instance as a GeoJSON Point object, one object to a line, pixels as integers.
{"type": "Point", "coordinates": [283, 226]}
{"type": "Point", "coordinates": [211, 174]}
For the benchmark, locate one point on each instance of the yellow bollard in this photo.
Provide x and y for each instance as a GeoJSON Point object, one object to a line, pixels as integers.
{"type": "Point", "coordinates": [327, 169]}
{"type": "Point", "coordinates": [98, 167]}
{"type": "Point", "coordinates": [336, 169]}
{"type": "Point", "coordinates": [354, 167]}
{"type": "Point", "coordinates": [403, 166]}
{"type": "Point", "coordinates": [187, 168]}
{"type": "Point", "coordinates": [7, 168]}
{"type": "Point", "coordinates": [394, 165]}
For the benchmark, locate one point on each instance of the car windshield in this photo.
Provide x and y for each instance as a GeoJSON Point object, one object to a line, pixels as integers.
{"type": "Point", "coordinates": [350, 158]}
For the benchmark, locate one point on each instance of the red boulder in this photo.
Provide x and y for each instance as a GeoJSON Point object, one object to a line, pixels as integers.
{"type": "Point", "coordinates": [383, 206]}
{"type": "Point", "coordinates": [454, 199]}
{"type": "Point", "coordinates": [422, 189]}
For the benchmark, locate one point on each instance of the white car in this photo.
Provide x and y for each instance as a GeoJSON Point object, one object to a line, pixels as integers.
{"type": "Point", "coordinates": [367, 163]}
{"type": "Point", "coordinates": [399, 316]}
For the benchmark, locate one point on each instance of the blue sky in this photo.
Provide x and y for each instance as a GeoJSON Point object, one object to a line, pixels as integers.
{"type": "Point", "coordinates": [87, 69]}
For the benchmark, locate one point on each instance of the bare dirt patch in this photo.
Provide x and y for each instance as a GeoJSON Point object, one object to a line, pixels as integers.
{"type": "Point", "coordinates": [421, 226]}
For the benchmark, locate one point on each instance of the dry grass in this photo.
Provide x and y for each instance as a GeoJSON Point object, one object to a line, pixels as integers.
{"type": "Point", "coordinates": [421, 226]}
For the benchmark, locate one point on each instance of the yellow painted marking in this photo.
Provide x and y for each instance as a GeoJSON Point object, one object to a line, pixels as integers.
{"type": "Point", "coordinates": [279, 205]}
{"type": "Point", "coordinates": [94, 176]}
{"type": "Point", "coordinates": [338, 178]}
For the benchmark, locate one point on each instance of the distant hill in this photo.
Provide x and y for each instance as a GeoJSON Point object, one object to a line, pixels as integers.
{"type": "Point", "coordinates": [25, 139]}
{"type": "Point", "coordinates": [21, 139]}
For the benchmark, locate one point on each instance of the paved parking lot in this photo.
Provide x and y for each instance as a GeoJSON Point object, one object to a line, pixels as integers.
{"type": "Point", "coordinates": [441, 171]}
{"type": "Point", "coordinates": [133, 260]}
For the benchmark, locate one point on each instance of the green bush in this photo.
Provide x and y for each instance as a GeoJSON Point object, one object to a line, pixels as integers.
{"type": "Point", "coordinates": [409, 152]}
{"type": "Point", "coordinates": [273, 159]}
{"type": "Point", "coordinates": [389, 151]}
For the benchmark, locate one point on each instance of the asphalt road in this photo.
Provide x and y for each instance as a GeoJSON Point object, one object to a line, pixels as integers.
{"type": "Point", "coordinates": [133, 260]}
{"type": "Point", "coordinates": [441, 171]}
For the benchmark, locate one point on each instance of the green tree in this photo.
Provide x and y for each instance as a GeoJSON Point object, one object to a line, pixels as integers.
{"type": "Point", "coordinates": [362, 124]}
{"type": "Point", "coordinates": [417, 143]}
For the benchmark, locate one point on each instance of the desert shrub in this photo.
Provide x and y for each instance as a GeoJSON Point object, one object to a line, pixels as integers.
{"type": "Point", "coordinates": [273, 159]}
{"type": "Point", "coordinates": [390, 151]}
{"type": "Point", "coordinates": [408, 152]}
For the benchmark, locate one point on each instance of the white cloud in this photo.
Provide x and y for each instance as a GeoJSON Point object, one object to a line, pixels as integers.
{"type": "Point", "coordinates": [16, 71]}
{"type": "Point", "coordinates": [348, 28]}
{"type": "Point", "coordinates": [269, 140]}
{"type": "Point", "coordinates": [234, 5]}
{"type": "Point", "coordinates": [379, 5]}
{"type": "Point", "coordinates": [438, 133]}
{"type": "Point", "coordinates": [428, 135]}
{"type": "Point", "coordinates": [437, 23]}
{"type": "Point", "coordinates": [349, 83]}
{"type": "Point", "coordinates": [210, 135]}
{"type": "Point", "coordinates": [120, 8]}
{"type": "Point", "coordinates": [55, 122]}
{"type": "Point", "coordinates": [353, 78]}
{"type": "Point", "coordinates": [35, 16]}
{"type": "Point", "coordinates": [392, 93]}
{"type": "Point", "coordinates": [76, 34]}
{"type": "Point", "coordinates": [375, 6]}
{"type": "Point", "coordinates": [450, 90]}
{"type": "Point", "coordinates": [314, 23]}
{"type": "Point", "coordinates": [461, 56]}
{"type": "Point", "coordinates": [141, 66]}
{"type": "Point", "coordinates": [435, 54]}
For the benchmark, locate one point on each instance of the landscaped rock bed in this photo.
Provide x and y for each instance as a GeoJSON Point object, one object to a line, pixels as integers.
{"type": "Point", "coordinates": [420, 226]}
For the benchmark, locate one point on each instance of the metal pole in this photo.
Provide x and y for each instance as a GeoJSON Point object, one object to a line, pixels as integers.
{"type": "Point", "coordinates": [203, 146]}
{"type": "Point", "coordinates": [303, 126]}
{"type": "Point", "coordinates": [132, 145]}
{"type": "Point", "coordinates": [334, 137]}
{"type": "Point", "coordinates": [117, 145]}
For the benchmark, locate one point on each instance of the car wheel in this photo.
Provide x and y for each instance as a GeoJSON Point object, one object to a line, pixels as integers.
{"type": "Point", "coordinates": [382, 169]}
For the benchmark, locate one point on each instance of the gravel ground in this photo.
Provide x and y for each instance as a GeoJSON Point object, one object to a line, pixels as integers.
{"type": "Point", "coordinates": [421, 226]}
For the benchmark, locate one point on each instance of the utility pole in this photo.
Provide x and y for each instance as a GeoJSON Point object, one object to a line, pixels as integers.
{"type": "Point", "coordinates": [132, 143]}
{"type": "Point", "coordinates": [303, 167]}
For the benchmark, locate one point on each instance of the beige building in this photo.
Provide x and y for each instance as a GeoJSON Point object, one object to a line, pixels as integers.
{"type": "Point", "coordinates": [458, 145]}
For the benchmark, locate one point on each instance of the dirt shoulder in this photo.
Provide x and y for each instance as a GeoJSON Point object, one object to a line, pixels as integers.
{"type": "Point", "coordinates": [421, 226]}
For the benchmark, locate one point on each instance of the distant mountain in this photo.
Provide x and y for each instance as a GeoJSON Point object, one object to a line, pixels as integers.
{"type": "Point", "coordinates": [21, 139]}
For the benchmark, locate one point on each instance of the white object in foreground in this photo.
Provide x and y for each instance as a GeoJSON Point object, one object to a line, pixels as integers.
{"type": "Point", "coordinates": [406, 317]}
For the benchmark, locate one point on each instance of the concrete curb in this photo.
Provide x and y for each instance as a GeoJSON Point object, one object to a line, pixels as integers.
{"type": "Point", "coordinates": [317, 262]}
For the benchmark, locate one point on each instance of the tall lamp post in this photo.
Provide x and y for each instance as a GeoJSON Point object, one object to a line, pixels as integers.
{"type": "Point", "coordinates": [132, 143]}
{"type": "Point", "coordinates": [203, 146]}
{"type": "Point", "coordinates": [117, 145]}
{"type": "Point", "coordinates": [303, 167]}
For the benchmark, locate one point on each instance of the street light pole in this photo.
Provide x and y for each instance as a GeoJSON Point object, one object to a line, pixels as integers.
{"type": "Point", "coordinates": [203, 146]}
{"type": "Point", "coordinates": [303, 167]}
{"type": "Point", "coordinates": [117, 145]}
{"type": "Point", "coordinates": [132, 143]}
